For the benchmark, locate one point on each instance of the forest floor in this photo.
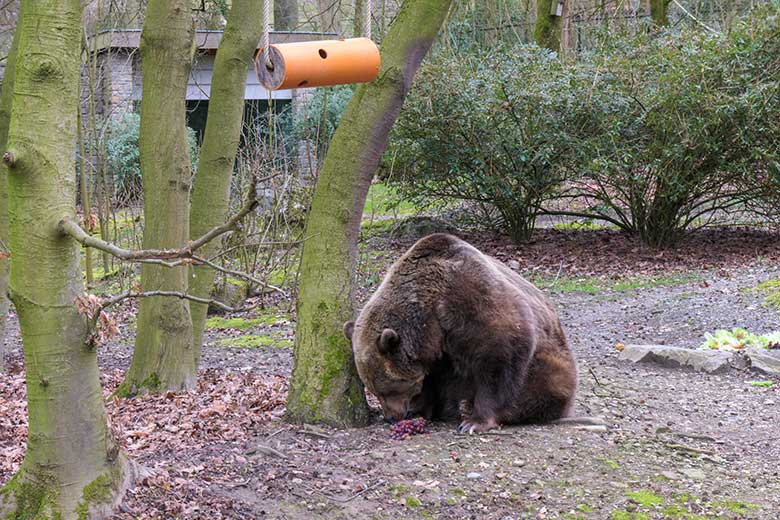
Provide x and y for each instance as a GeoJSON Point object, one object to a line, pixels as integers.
{"type": "Point", "coordinates": [679, 444]}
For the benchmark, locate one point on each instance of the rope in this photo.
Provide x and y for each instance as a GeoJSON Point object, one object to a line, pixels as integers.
{"type": "Point", "coordinates": [267, 34]}
{"type": "Point", "coordinates": [367, 19]}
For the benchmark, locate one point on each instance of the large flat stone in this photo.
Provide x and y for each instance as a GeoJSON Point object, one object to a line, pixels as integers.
{"type": "Point", "coordinates": [710, 361]}
{"type": "Point", "coordinates": [763, 360]}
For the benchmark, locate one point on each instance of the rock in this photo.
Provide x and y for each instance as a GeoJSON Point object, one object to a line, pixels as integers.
{"type": "Point", "coordinates": [376, 455]}
{"type": "Point", "coordinates": [230, 291]}
{"type": "Point", "coordinates": [671, 475]}
{"type": "Point", "coordinates": [474, 475]}
{"type": "Point", "coordinates": [597, 428]}
{"type": "Point", "coordinates": [694, 473]}
{"type": "Point", "coordinates": [513, 265]}
{"type": "Point", "coordinates": [420, 226]}
{"type": "Point", "coordinates": [710, 361]}
{"type": "Point", "coordinates": [764, 360]}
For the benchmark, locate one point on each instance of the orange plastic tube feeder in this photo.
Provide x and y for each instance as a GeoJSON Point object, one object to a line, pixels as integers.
{"type": "Point", "coordinates": [318, 63]}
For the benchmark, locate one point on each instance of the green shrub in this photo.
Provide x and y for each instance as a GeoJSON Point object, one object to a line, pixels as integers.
{"type": "Point", "coordinates": [320, 116]}
{"type": "Point", "coordinates": [124, 159]}
{"type": "Point", "coordinates": [491, 130]}
{"type": "Point", "coordinates": [654, 133]}
{"type": "Point", "coordinates": [692, 128]}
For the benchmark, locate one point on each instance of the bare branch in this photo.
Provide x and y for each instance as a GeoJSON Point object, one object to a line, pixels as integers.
{"type": "Point", "coordinates": [239, 274]}
{"type": "Point", "coordinates": [175, 294]}
{"type": "Point", "coordinates": [68, 226]}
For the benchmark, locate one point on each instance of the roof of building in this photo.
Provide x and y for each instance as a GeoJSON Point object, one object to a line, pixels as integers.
{"type": "Point", "coordinates": [204, 39]}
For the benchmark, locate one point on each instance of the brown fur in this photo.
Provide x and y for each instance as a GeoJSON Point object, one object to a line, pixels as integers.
{"type": "Point", "coordinates": [452, 333]}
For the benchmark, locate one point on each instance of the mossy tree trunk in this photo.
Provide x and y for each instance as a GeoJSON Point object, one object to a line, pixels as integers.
{"type": "Point", "coordinates": [163, 358]}
{"type": "Point", "coordinates": [325, 386]}
{"type": "Point", "coordinates": [211, 192]}
{"type": "Point", "coordinates": [357, 22]}
{"type": "Point", "coordinates": [659, 12]}
{"type": "Point", "coordinates": [285, 15]}
{"type": "Point", "coordinates": [6, 97]}
{"type": "Point", "coordinates": [547, 28]}
{"type": "Point", "coordinates": [72, 468]}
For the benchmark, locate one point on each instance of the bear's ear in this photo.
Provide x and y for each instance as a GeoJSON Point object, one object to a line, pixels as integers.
{"type": "Point", "coordinates": [349, 328]}
{"type": "Point", "coordinates": [389, 342]}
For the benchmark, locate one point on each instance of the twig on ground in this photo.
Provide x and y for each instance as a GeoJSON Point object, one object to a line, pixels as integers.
{"type": "Point", "coordinates": [315, 434]}
{"type": "Point", "coordinates": [695, 436]}
{"type": "Point", "coordinates": [277, 432]}
{"type": "Point", "coordinates": [267, 450]}
{"type": "Point", "coordinates": [349, 498]}
{"type": "Point", "coordinates": [581, 421]}
{"type": "Point", "coordinates": [595, 378]}
{"type": "Point", "coordinates": [610, 393]}
{"type": "Point", "coordinates": [683, 447]}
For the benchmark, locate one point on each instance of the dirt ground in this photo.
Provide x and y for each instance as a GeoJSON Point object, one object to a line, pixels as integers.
{"type": "Point", "coordinates": [679, 445]}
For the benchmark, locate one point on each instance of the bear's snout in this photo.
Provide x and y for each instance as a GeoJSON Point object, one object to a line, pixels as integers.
{"type": "Point", "coordinates": [395, 409]}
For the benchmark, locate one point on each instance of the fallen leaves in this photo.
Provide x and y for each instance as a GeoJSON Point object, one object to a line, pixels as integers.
{"type": "Point", "coordinates": [207, 428]}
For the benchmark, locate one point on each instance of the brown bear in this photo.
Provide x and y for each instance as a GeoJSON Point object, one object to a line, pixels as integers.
{"type": "Point", "coordinates": [452, 333]}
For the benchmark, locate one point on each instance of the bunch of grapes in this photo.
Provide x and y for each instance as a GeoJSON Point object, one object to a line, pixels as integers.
{"type": "Point", "coordinates": [404, 429]}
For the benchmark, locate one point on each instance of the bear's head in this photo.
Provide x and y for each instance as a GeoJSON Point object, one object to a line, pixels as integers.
{"type": "Point", "coordinates": [388, 367]}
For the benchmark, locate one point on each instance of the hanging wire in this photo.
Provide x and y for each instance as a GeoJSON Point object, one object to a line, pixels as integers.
{"type": "Point", "coordinates": [367, 19]}
{"type": "Point", "coordinates": [267, 34]}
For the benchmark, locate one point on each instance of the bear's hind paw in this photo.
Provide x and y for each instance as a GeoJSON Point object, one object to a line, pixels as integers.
{"type": "Point", "coordinates": [468, 426]}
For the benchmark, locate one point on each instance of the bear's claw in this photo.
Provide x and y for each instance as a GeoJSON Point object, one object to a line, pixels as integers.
{"type": "Point", "coordinates": [470, 427]}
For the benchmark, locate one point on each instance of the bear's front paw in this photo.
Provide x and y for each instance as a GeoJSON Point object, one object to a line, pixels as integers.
{"type": "Point", "coordinates": [470, 426]}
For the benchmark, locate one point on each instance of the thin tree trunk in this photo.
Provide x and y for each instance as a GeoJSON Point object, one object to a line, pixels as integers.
{"type": "Point", "coordinates": [86, 203]}
{"type": "Point", "coordinates": [285, 15]}
{"type": "Point", "coordinates": [6, 97]}
{"type": "Point", "coordinates": [163, 358]}
{"type": "Point", "coordinates": [329, 16]}
{"type": "Point", "coordinates": [357, 22]}
{"type": "Point", "coordinates": [211, 192]}
{"type": "Point", "coordinates": [659, 12]}
{"type": "Point", "coordinates": [325, 386]}
{"type": "Point", "coordinates": [72, 467]}
{"type": "Point", "coordinates": [547, 29]}
{"type": "Point", "coordinates": [95, 151]}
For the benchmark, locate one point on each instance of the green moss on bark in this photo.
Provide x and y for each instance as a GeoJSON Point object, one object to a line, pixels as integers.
{"type": "Point", "coordinates": [659, 12]}
{"type": "Point", "coordinates": [99, 493]}
{"type": "Point", "coordinates": [547, 28]}
{"type": "Point", "coordinates": [163, 343]}
{"type": "Point", "coordinates": [130, 388]}
{"type": "Point", "coordinates": [69, 443]}
{"type": "Point", "coordinates": [6, 97]}
{"type": "Point", "coordinates": [211, 191]}
{"type": "Point", "coordinates": [325, 386]}
{"type": "Point", "coordinates": [32, 500]}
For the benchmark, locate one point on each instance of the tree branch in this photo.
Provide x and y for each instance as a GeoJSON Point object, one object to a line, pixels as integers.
{"type": "Point", "coordinates": [174, 294]}
{"type": "Point", "coordinates": [239, 274]}
{"type": "Point", "coordinates": [67, 226]}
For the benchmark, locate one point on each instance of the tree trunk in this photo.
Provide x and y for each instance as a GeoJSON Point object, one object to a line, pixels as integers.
{"type": "Point", "coordinates": [547, 29]}
{"type": "Point", "coordinates": [357, 22]}
{"type": "Point", "coordinates": [285, 15]}
{"type": "Point", "coordinates": [329, 16]}
{"type": "Point", "coordinates": [211, 193]}
{"type": "Point", "coordinates": [163, 358]}
{"type": "Point", "coordinates": [86, 203]}
{"type": "Point", "coordinates": [72, 467]}
{"type": "Point", "coordinates": [325, 386]}
{"type": "Point", "coordinates": [659, 12]}
{"type": "Point", "coordinates": [6, 96]}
